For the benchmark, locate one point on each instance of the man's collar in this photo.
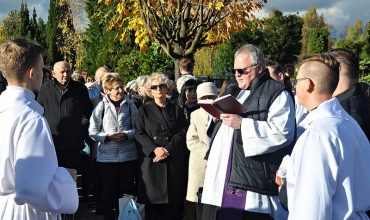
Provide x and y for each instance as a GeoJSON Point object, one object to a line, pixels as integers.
{"type": "Point", "coordinates": [56, 82]}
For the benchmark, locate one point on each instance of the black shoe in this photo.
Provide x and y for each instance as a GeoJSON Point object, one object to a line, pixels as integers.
{"type": "Point", "coordinates": [92, 205]}
{"type": "Point", "coordinates": [99, 209]}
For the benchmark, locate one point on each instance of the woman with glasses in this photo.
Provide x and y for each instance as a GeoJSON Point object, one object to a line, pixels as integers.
{"type": "Point", "coordinates": [112, 125]}
{"type": "Point", "coordinates": [160, 131]}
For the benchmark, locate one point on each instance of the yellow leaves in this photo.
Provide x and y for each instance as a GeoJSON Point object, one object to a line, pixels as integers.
{"type": "Point", "coordinates": [127, 16]}
{"type": "Point", "coordinates": [219, 6]}
{"type": "Point", "coordinates": [120, 8]}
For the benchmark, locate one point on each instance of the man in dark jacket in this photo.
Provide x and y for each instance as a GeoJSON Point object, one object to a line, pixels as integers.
{"type": "Point", "coordinates": [3, 83]}
{"type": "Point", "coordinates": [65, 102]}
{"type": "Point", "coordinates": [349, 92]}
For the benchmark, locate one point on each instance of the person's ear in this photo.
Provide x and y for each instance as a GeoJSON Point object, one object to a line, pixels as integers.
{"type": "Point", "coordinates": [281, 77]}
{"type": "Point", "coordinates": [309, 85]}
{"type": "Point", "coordinates": [259, 68]}
{"type": "Point", "coordinates": [30, 73]}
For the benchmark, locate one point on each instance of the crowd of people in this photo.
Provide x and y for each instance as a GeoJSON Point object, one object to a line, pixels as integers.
{"type": "Point", "coordinates": [149, 138]}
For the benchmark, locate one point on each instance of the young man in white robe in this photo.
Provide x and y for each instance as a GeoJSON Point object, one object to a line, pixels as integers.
{"type": "Point", "coordinates": [329, 175]}
{"type": "Point", "coordinates": [32, 185]}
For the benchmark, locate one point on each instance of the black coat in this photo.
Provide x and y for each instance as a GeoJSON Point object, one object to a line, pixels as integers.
{"type": "Point", "coordinates": [3, 83]}
{"type": "Point", "coordinates": [64, 112]}
{"type": "Point", "coordinates": [357, 105]}
{"type": "Point", "coordinates": [165, 181]}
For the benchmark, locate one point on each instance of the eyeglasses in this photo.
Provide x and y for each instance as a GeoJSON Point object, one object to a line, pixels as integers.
{"type": "Point", "coordinates": [244, 70]}
{"type": "Point", "coordinates": [160, 86]}
{"type": "Point", "coordinates": [190, 90]}
{"type": "Point", "coordinates": [295, 81]}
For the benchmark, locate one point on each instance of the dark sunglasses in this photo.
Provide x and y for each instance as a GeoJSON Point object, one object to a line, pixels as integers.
{"type": "Point", "coordinates": [161, 86]}
{"type": "Point", "coordinates": [244, 70]}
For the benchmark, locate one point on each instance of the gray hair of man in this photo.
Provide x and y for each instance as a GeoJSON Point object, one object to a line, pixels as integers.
{"type": "Point", "coordinates": [255, 53]}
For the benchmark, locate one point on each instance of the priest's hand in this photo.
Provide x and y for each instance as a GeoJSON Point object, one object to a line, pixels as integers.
{"type": "Point", "coordinates": [231, 120]}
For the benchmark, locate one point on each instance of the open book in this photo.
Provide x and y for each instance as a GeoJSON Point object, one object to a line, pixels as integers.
{"type": "Point", "coordinates": [224, 104]}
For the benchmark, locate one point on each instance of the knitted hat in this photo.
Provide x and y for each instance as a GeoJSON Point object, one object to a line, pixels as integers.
{"type": "Point", "coordinates": [207, 89]}
{"type": "Point", "coordinates": [130, 85]}
{"type": "Point", "coordinates": [141, 80]}
{"type": "Point", "coordinates": [180, 81]}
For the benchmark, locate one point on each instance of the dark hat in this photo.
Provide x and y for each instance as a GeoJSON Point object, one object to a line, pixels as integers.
{"type": "Point", "coordinates": [170, 75]}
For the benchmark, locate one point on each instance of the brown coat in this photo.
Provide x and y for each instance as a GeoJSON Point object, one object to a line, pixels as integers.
{"type": "Point", "coordinates": [165, 181]}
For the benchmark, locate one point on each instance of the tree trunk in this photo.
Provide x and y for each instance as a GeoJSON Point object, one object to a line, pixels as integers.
{"type": "Point", "coordinates": [177, 69]}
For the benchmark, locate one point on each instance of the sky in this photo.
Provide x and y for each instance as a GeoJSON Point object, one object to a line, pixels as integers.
{"type": "Point", "coordinates": [339, 13]}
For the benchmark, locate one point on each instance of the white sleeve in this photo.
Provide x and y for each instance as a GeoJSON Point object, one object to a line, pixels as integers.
{"type": "Point", "coordinates": [261, 137]}
{"type": "Point", "coordinates": [96, 121]}
{"type": "Point", "coordinates": [39, 181]}
{"type": "Point", "coordinates": [311, 180]}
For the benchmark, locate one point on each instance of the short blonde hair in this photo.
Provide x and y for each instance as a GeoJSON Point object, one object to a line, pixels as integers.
{"type": "Point", "coordinates": [19, 55]}
{"type": "Point", "coordinates": [107, 81]}
{"type": "Point", "coordinates": [163, 79]}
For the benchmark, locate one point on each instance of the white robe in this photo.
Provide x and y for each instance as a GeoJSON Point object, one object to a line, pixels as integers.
{"type": "Point", "coordinates": [329, 174]}
{"type": "Point", "coordinates": [259, 137]}
{"type": "Point", "coordinates": [32, 186]}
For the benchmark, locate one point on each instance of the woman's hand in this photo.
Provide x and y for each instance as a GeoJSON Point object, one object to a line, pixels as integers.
{"type": "Point", "coordinates": [117, 136]}
{"type": "Point", "coordinates": [161, 153]}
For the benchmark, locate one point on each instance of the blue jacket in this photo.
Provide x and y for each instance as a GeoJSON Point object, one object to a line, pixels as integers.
{"type": "Point", "coordinates": [108, 122]}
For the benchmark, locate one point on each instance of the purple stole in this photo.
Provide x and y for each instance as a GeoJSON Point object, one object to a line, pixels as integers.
{"type": "Point", "coordinates": [233, 199]}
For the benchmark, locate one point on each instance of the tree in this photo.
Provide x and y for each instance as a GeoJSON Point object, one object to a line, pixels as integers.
{"type": "Point", "coordinates": [80, 23]}
{"type": "Point", "coordinates": [53, 31]}
{"type": "Point", "coordinates": [10, 25]}
{"type": "Point", "coordinates": [61, 33]}
{"type": "Point", "coordinates": [224, 60]}
{"type": "Point", "coordinates": [33, 25]}
{"type": "Point", "coordinates": [355, 39]}
{"type": "Point", "coordinates": [311, 20]}
{"type": "Point", "coordinates": [102, 46]}
{"type": "Point", "coordinates": [41, 32]}
{"type": "Point", "coordinates": [24, 30]}
{"type": "Point", "coordinates": [179, 27]}
{"type": "Point", "coordinates": [318, 42]}
{"type": "Point", "coordinates": [282, 36]}
{"type": "Point", "coordinates": [204, 61]}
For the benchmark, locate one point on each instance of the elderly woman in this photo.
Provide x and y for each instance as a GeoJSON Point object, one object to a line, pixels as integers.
{"type": "Point", "coordinates": [112, 125]}
{"type": "Point", "coordinates": [160, 130]}
{"type": "Point", "coordinates": [197, 142]}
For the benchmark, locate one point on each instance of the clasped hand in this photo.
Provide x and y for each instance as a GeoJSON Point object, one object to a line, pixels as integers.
{"type": "Point", "coordinates": [117, 136]}
{"type": "Point", "coordinates": [161, 153]}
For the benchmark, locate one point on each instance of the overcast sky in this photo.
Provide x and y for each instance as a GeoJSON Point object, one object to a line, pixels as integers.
{"type": "Point", "coordinates": [338, 13]}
